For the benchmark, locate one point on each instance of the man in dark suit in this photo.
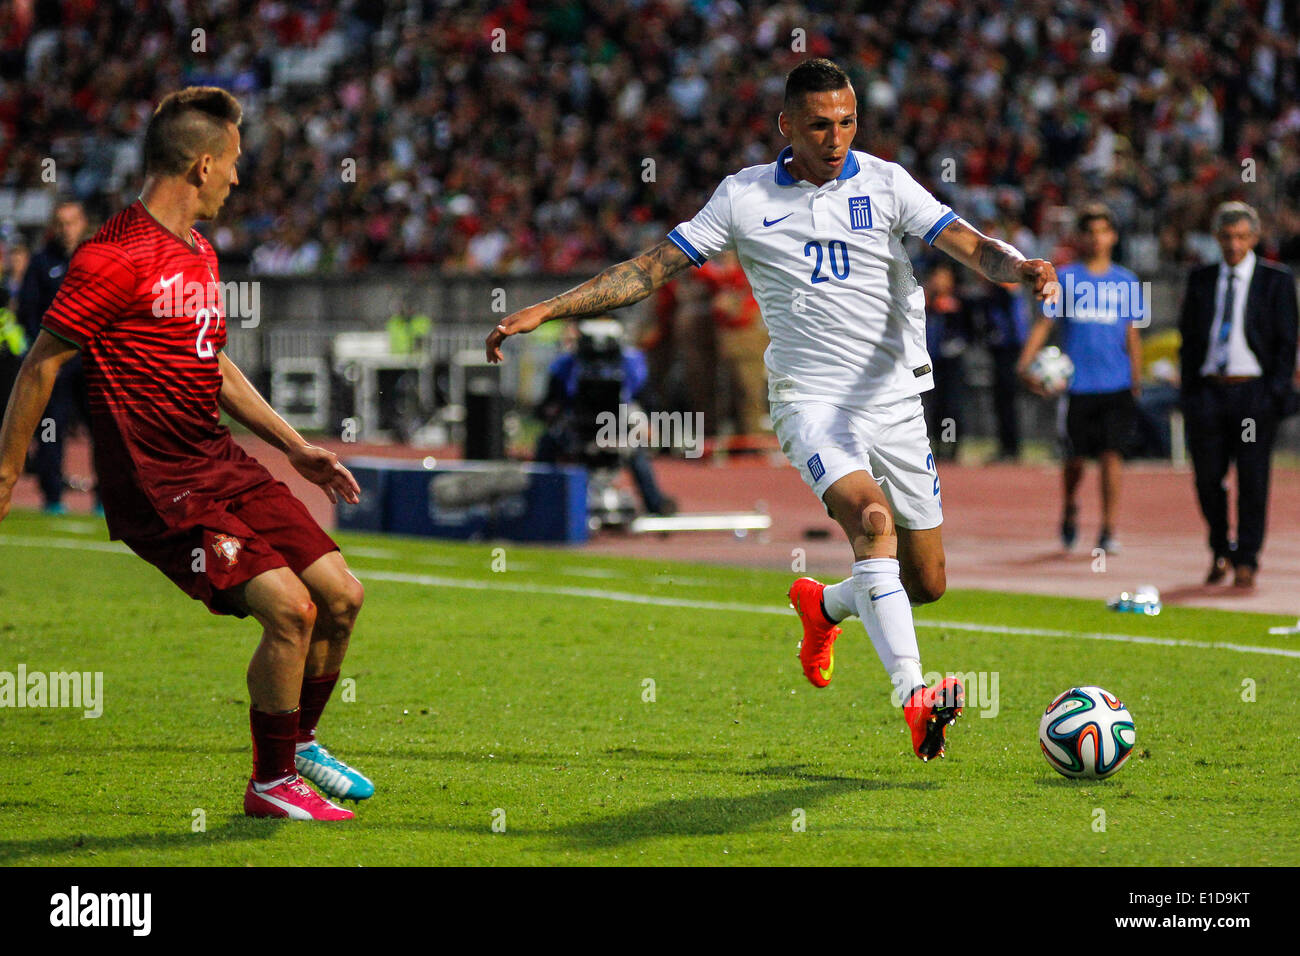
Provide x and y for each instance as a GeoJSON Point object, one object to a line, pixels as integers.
{"type": "Point", "coordinates": [1238, 356]}
{"type": "Point", "coordinates": [40, 285]}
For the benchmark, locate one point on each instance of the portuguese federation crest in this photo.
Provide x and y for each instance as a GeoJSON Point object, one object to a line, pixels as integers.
{"type": "Point", "coordinates": [227, 549]}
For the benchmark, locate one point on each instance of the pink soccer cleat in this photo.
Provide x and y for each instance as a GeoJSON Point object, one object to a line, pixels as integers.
{"type": "Point", "coordinates": [292, 800]}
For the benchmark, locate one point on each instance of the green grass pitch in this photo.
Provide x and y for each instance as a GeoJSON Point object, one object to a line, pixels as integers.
{"type": "Point", "coordinates": [522, 697]}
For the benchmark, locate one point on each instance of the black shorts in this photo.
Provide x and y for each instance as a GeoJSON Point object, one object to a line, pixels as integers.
{"type": "Point", "coordinates": [1098, 422]}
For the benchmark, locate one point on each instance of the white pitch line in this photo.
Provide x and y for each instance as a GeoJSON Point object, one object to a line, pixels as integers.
{"type": "Point", "coordinates": [382, 554]}
{"type": "Point", "coordinates": [112, 547]}
{"type": "Point", "coordinates": [667, 577]}
{"type": "Point", "coordinates": [80, 527]}
{"type": "Point", "coordinates": [626, 598]}
{"type": "Point", "coordinates": [589, 572]}
{"type": "Point", "coordinates": [429, 580]}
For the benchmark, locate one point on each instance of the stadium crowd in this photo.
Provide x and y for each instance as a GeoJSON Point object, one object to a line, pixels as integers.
{"type": "Point", "coordinates": [556, 137]}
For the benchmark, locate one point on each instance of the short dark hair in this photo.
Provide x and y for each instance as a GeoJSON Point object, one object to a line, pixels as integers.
{"type": "Point", "coordinates": [187, 124]}
{"type": "Point", "coordinates": [818, 75]}
{"type": "Point", "coordinates": [1095, 210]}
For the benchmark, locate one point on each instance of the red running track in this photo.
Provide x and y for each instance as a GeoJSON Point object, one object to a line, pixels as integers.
{"type": "Point", "coordinates": [1000, 528]}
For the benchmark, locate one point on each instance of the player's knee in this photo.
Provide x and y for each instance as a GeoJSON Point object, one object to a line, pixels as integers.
{"type": "Point", "coordinates": [345, 603]}
{"type": "Point", "coordinates": [878, 525]}
{"type": "Point", "coordinates": [294, 617]}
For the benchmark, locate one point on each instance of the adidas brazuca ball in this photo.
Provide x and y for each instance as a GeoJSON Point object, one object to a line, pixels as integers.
{"type": "Point", "coordinates": [1052, 369]}
{"type": "Point", "coordinates": [1086, 732]}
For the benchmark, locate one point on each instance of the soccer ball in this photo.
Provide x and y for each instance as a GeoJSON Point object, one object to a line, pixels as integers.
{"type": "Point", "coordinates": [1052, 369]}
{"type": "Point", "coordinates": [1086, 732]}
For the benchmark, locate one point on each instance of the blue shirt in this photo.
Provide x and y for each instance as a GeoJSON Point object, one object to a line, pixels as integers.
{"type": "Point", "coordinates": [565, 369]}
{"type": "Point", "coordinates": [1097, 311]}
{"type": "Point", "coordinates": [1007, 317]}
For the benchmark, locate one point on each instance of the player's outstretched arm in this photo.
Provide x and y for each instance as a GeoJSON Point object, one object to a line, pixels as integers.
{"type": "Point", "coordinates": [246, 405]}
{"type": "Point", "coordinates": [623, 284]}
{"type": "Point", "coordinates": [998, 261]}
{"type": "Point", "coordinates": [27, 401]}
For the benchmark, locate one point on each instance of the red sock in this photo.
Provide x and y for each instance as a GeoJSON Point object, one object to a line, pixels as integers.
{"type": "Point", "coordinates": [273, 740]}
{"type": "Point", "coordinates": [315, 692]}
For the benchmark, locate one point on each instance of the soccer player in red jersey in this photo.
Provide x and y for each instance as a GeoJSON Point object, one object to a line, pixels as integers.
{"type": "Point", "coordinates": [141, 302]}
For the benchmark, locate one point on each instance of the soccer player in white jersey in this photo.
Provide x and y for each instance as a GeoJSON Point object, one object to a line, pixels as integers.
{"type": "Point", "coordinates": [819, 234]}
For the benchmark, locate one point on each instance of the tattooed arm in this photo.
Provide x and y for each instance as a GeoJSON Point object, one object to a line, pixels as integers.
{"type": "Point", "coordinates": [996, 260]}
{"type": "Point", "coordinates": [617, 286]}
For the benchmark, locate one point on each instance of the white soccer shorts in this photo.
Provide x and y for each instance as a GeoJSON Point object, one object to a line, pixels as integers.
{"type": "Point", "coordinates": [826, 442]}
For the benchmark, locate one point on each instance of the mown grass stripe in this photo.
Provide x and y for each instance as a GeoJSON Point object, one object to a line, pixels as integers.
{"type": "Point", "coordinates": [624, 597]}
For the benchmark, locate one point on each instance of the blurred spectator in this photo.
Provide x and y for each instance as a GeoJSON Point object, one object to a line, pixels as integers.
{"type": "Point", "coordinates": [741, 377]}
{"type": "Point", "coordinates": [16, 259]}
{"type": "Point", "coordinates": [1004, 316]}
{"type": "Point", "coordinates": [947, 332]}
{"type": "Point", "coordinates": [1160, 395]}
{"type": "Point", "coordinates": [1101, 307]}
{"type": "Point", "coordinates": [397, 136]}
{"type": "Point", "coordinates": [13, 339]}
{"type": "Point", "coordinates": [1237, 365]}
{"type": "Point", "coordinates": [683, 348]}
{"type": "Point", "coordinates": [578, 391]}
{"type": "Point", "coordinates": [68, 403]}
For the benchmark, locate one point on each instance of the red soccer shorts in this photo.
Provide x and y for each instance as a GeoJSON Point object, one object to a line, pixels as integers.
{"type": "Point", "coordinates": [234, 541]}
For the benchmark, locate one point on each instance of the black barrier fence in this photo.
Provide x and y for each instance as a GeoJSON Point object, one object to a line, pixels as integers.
{"type": "Point", "coordinates": [328, 350]}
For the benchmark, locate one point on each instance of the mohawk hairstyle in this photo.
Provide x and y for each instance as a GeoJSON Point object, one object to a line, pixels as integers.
{"type": "Point", "coordinates": [187, 124]}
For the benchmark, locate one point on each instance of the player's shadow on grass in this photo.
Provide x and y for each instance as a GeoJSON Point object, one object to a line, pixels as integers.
{"type": "Point", "coordinates": [86, 849]}
{"type": "Point", "coordinates": [1059, 782]}
{"type": "Point", "coordinates": [720, 815]}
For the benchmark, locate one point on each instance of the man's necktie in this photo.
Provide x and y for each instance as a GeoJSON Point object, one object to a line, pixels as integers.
{"type": "Point", "coordinates": [1225, 324]}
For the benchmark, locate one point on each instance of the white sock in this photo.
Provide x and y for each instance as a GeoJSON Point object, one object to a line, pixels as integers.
{"type": "Point", "coordinates": [838, 600]}
{"type": "Point", "coordinates": [263, 787]}
{"type": "Point", "coordinates": [886, 613]}
{"type": "Point", "coordinates": [300, 746]}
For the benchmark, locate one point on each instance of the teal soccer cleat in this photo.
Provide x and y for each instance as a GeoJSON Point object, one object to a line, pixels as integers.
{"type": "Point", "coordinates": [332, 775]}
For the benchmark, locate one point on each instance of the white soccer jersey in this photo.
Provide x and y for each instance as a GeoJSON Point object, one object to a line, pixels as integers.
{"type": "Point", "coordinates": [844, 313]}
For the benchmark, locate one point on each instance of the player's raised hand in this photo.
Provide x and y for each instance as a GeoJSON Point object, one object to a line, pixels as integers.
{"type": "Point", "coordinates": [322, 467]}
{"type": "Point", "coordinates": [1040, 275]}
{"type": "Point", "coordinates": [525, 320]}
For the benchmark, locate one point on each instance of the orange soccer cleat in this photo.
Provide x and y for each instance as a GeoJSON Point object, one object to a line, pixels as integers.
{"type": "Point", "coordinates": [929, 711]}
{"type": "Point", "coordinates": [817, 649]}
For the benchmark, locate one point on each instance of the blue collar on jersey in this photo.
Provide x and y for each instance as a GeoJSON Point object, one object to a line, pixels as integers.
{"type": "Point", "coordinates": [847, 171]}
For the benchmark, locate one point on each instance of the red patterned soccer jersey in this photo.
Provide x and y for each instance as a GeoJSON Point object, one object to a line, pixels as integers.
{"type": "Point", "coordinates": [146, 311]}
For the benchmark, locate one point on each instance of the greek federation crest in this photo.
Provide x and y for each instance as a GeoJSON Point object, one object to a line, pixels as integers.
{"type": "Point", "coordinates": [860, 212]}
